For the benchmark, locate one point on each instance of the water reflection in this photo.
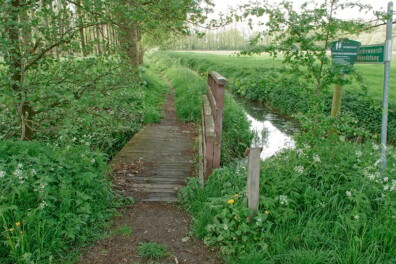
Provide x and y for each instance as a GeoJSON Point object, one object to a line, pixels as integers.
{"type": "Point", "coordinates": [269, 137]}
{"type": "Point", "coordinates": [273, 130]}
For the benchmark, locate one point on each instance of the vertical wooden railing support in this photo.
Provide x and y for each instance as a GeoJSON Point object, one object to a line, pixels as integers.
{"type": "Point", "coordinates": [212, 123]}
{"type": "Point", "coordinates": [218, 93]}
{"type": "Point", "coordinates": [253, 181]}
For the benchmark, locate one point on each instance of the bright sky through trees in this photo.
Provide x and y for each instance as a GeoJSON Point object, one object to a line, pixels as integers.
{"type": "Point", "coordinates": [221, 5]}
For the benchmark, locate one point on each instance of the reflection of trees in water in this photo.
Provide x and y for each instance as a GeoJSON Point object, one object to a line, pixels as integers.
{"type": "Point", "coordinates": [260, 138]}
{"type": "Point", "coordinates": [262, 113]}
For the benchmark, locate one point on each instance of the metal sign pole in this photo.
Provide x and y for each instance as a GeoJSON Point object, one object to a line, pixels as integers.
{"type": "Point", "coordinates": [387, 61]}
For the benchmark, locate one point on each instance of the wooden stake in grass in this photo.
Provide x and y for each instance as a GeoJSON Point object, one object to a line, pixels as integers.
{"type": "Point", "coordinates": [253, 184]}
{"type": "Point", "coordinates": [337, 95]}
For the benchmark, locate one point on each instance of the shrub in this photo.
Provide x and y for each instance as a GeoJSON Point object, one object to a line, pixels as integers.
{"type": "Point", "coordinates": [51, 198]}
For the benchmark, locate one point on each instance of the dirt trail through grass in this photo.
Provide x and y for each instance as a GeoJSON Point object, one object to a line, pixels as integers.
{"type": "Point", "coordinates": [164, 223]}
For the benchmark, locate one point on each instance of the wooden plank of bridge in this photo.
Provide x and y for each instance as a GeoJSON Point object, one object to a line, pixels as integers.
{"type": "Point", "coordinates": [154, 164]}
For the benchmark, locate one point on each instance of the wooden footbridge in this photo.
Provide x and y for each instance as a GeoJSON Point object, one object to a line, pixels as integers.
{"type": "Point", "coordinates": [154, 164]}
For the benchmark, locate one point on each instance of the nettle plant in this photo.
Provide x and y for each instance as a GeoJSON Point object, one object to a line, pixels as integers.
{"type": "Point", "coordinates": [235, 229]}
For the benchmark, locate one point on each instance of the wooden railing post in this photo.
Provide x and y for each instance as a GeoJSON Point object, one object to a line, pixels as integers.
{"type": "Point", "coordinates": [212, 123]}
{"type": "Point", "coordinates": [217, 89]}
{"type": "Point", "coordinates": [253, 181]}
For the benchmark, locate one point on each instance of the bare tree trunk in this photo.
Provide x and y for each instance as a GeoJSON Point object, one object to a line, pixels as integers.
{"type": "Point", "coordinates": [80, 18]}
{"type": "Point", "coordinates": [141, 54]}
{"type": "Point", "coordinates": [98, 40]}
{"type": "Point", "coordinates": [14, 60]}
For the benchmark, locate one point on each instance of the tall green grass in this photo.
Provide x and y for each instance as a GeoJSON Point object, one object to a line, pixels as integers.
{"type": "Point", "coordinates": [320, 203]}
{"type": "Point", "coordinates": [52, 200]}
{"type": "Point", "coordinates": [189, 88]}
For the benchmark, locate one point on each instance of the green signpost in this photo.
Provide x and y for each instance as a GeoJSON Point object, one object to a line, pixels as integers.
{"type": "Point", "coordinates": [345, 51]}
{"type": "Point", "coordinates": [371, 54]}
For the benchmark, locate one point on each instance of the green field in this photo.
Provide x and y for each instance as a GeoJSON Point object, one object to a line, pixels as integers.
{"type": "Point", "coordinates": [229, 64]}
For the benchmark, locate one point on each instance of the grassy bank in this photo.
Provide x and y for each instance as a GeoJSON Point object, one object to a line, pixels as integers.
{"type": "Point", "coordinates": [189, 88]}
{"type": "Point", "coordinates": [261, 78]}
{"type": "Point", "coordinates": [323, 202]}
{"type": "Point", "coordinates": [230, 65]}
{"type": "Point", "coordinates": [55, 192]}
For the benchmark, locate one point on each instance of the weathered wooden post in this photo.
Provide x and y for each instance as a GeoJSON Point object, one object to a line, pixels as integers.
{"type": "Point", "coordinates": [218, 93]}
{"type": "Point", "coordinates": [212, 124]}
{"type": "Point", "coordinates": [253, 181]}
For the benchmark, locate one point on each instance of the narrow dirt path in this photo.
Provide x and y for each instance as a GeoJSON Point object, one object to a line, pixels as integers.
{"type": "Point", "coordinates": [152, 169]}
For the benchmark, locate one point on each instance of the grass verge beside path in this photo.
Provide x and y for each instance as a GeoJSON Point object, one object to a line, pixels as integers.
{"type": "Point", "coordinates": [323, 202]}
{"type": "Point", "coordinates": [190, 87]}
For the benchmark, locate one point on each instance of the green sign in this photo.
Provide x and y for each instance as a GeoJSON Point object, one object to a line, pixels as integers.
{"type": "Point", "coordinates": [371, 54]}
{"type": "Point", "coordinates": [345, 51]}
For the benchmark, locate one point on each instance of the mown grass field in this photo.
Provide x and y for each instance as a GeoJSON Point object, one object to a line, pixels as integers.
{"type": "Point", "coordinates": [227, 64]}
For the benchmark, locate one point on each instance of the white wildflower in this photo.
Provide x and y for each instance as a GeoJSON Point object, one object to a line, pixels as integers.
{"type": "Point", "coordinates": [348, 193]}
{"type": "Point", "coordinates": [87, 143]}
{"type": "Point", "coordinates": [225, 227]}
{"type": "Point", "coordinates": [283, 200]}
{"type": "Point", "coordinates": [386, 187]}
{"type": "Point", "coordinates": [20, 165]}
{"type": "Point", "coordinates": [43, 204]}
{"type": "Point", "coordinates": [385, 179]}
{"type": "Point", "coordinates": [375, 147]}
{"type": "Point", "coordinates": [300, 153]}
{"type": "Point", "coordinates": [299, 169]}
{"type": "Point", "coordinates": [316, 158]}
{"type": "Point", "coordinates": [359, 153]}
{"type": "Point", "coordinates": [378, 162]}
{"type": "Point", "coordinates": [2, 174]}
{"type": "Point", "coordinates": [393, 187]}
{"type": "Point", "coordinates": [18, 173]}
{"type": "Point", "coordinates": [33, 171]}
{"type": "Point", "coordinates": [356, 217]}
{"type": "Point", "coordinates": [92, 160]}
{"type": "Point", "coordinates": [342, 138]}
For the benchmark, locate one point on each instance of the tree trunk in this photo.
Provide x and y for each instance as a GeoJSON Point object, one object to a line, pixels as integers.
{"type": "Point", "coordinates": [14, 60]}
{"type": "Point", "coordinates": [80, 18]}
{"type": "Point", "coordinates": [141, 54]}
{"type": "Point", "coordinates": [98, 39]}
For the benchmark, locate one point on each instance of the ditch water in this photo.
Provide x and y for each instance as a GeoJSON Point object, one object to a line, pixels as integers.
{"type": "Point", "coordinates": [273, 130]}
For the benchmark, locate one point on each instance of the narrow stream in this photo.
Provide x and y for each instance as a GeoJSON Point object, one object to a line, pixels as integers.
{"type": "Point", "coordinates": [273, 129]}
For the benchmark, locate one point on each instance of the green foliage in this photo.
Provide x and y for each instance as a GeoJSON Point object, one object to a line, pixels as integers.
{"type": "Point", "coordinates": [155, 88]}
{"type": "Point", "coordinates": [51, 198]}
{"type": "Point", "coordinates": [320, 203]}
{"type": "Point", "coordinates": [102, 114]}
{"type": "Point", "coordinates": [189, 88]}
{"type": "Point", "coordinates": [303, 36]}
{"type": "Point", "coordinates": [124, 230]}
{"type": "Point", "coordinates": [152, 250]}
{"type": "Point", "coordinates": [284, 90]}
{"type": "Point", "coordinates": [236, 137]}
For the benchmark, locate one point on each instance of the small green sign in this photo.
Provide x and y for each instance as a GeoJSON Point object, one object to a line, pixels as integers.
{"type": "Point", "coordinates": [345, 51]}
{"type": "Point", "coordinates": [371, 54]}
